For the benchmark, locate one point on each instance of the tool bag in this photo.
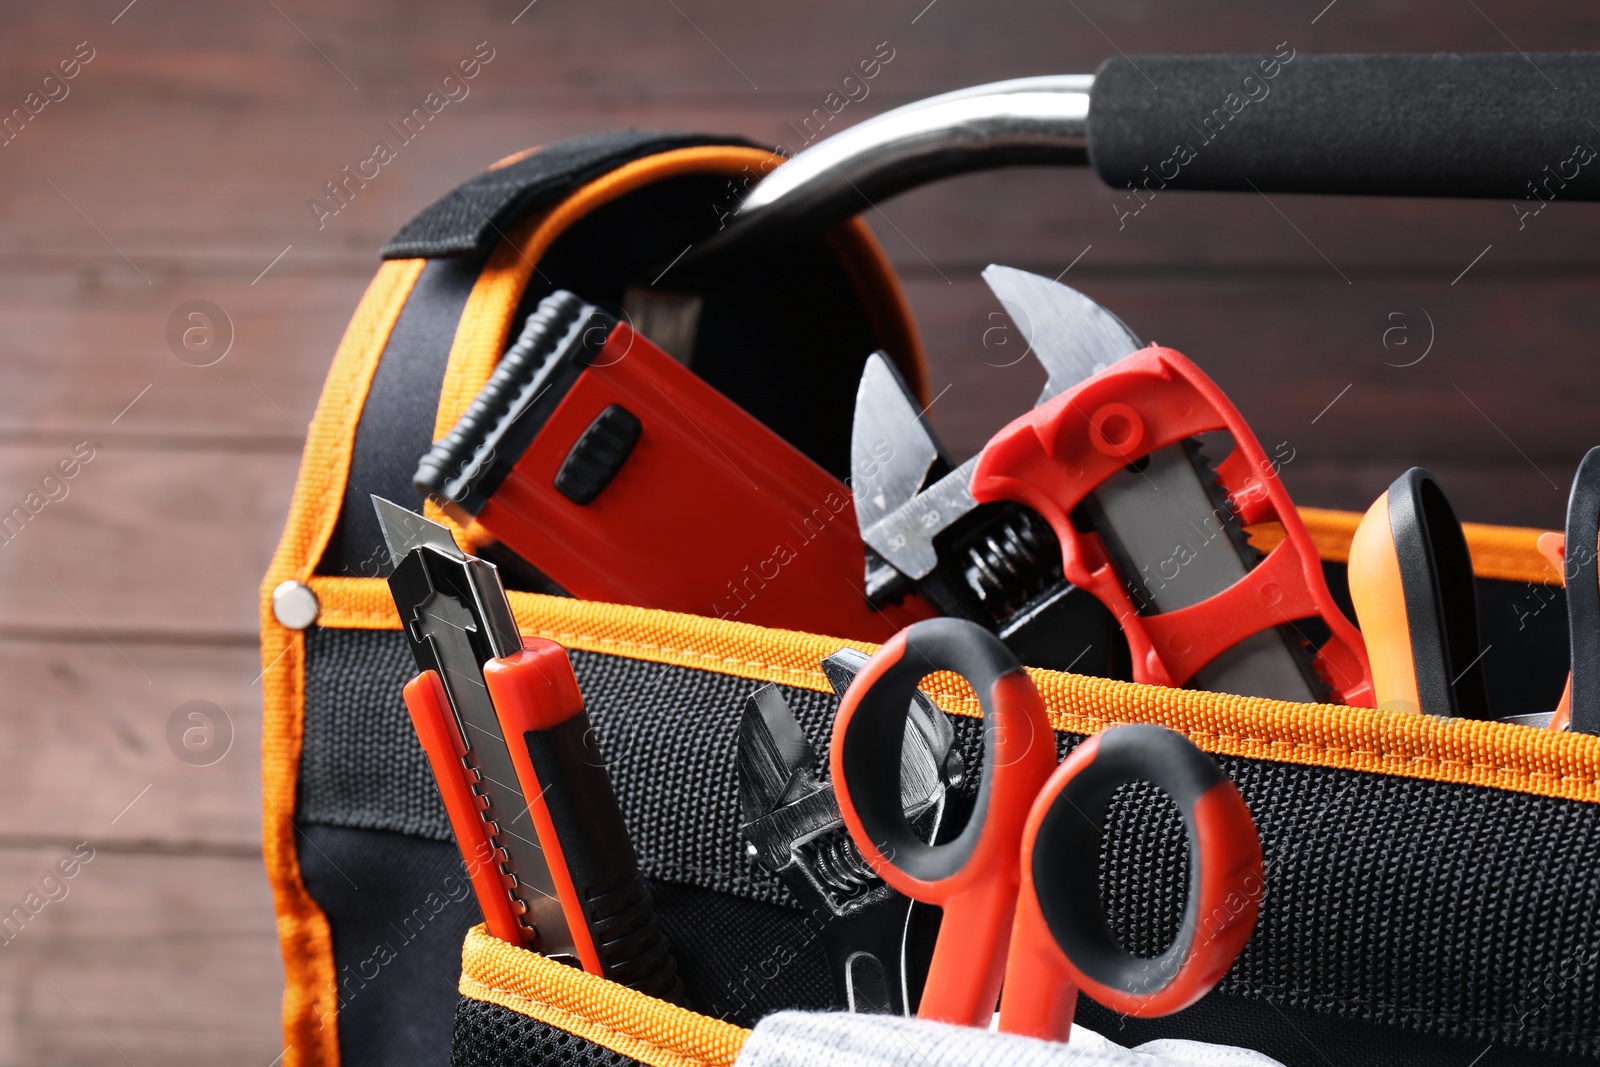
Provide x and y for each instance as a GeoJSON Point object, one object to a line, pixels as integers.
{"type": "Point", "coordinates": [1430, 882]}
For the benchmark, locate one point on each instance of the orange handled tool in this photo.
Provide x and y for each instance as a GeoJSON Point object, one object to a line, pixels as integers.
{"type": "Point", "coordinates": [1060, 942]}
{"type": "Point", "coordinates": [461, 787]}
{"type": "Point", "coordinates": [505, 731]}
{"type": "Point", "coordinates": [1020, 882]}
{"type": "Point", "coordinates": [1416, 599]}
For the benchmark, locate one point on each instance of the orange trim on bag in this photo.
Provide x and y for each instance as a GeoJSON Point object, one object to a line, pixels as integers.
{"type": "Point", "coordinates": [310, 998]}
{"type": "Point", "coordinates": [1506, 553]}
{"type": "Point", "coordinates": [515, 157]}
{"type": "Point", "coordinates": [602, 1012]}
{"type": "Point", "coordinates": [1502, 755]}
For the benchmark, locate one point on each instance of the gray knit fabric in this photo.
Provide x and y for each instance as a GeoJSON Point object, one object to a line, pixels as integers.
{"type": "Point", "coordinates": [839, 1039]}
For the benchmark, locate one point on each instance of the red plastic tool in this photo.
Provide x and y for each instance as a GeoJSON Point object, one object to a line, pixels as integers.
{"type": "Point", "coordinates": [442, 742]}
{"type": "Point", "coordinates": [573, 811]}
{"type": "Point", "coordinates": [1056, 951]}
{"type": "Point", "coordinates": [1019, 887]}
{"type": "Point", "coordinates": [577, 819]}
{"type": "Point", "coordinates": [1054, 456]}
{"type": "Point", "coordinates": [624, 477]}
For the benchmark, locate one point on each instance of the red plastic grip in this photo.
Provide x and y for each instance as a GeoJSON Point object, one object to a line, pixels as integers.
{"type": "Point", "coordinates": [441, 740]}
{"type": "Point", "coordinates": [534, 690]}
{"type": "Point", "coordinates": [1056, 455]}
{"type": "Point", "coordinates": [604, 899]}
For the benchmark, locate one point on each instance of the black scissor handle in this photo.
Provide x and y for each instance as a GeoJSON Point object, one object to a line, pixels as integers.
{"type": "Point", "coordinates": [1582, 575]}
{"type": "Point", "coordinates": [871, 724]}
{"type": "Point", "coordinates": [1062, 875]}
{"type": "Point", "coordinates": [1441, 595]}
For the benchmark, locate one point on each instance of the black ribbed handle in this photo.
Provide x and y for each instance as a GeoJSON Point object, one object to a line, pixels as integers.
{"type": "Point", "coordinates": [467, 465]}
{"type": "Point", "coordinates": [1488, 126]}
{"type": "Point", "coordinates": [1583, 592]}
{"type": "Point", "coordinates": [599, 856]}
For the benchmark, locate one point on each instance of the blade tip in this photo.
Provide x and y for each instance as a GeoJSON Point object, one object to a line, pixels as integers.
{"type": "Point", "coordinates": [404, 530]}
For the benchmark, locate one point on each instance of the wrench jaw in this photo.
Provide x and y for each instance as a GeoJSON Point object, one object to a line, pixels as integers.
{"type": "Point", "coordinates": [793, 829]}
{"type": "Point", "coordinates": [1007, 568]}
{"type": "Point", "coordinates": [894, 453]}
{"type": "Point", "coordinates": [998, 565]}
{"type": "Point", "coordinates": [1070, 335]}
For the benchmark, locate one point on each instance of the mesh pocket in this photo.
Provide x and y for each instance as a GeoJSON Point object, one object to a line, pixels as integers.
{"type": "Point", "coordinates": [487, 1035]}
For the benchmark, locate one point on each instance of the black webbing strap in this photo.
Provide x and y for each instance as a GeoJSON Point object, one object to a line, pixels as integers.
{"type": "Point", "coordinates": [397, 420]}
{"type": "Point", "coordinates": [473, 217]}
{"type": "Point", "coordinates": [456, 233]}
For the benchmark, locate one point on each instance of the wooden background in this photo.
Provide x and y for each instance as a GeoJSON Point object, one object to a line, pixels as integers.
{"type": "Point", "coordinates": [180, 166]}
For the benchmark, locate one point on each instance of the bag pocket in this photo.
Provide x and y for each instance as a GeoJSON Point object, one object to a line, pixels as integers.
{"type": "Point", "coordinates": [1428, 880]}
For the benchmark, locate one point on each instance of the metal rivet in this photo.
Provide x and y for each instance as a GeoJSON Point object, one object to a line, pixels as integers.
{"type": "Point", "coordinates": [295, 605]}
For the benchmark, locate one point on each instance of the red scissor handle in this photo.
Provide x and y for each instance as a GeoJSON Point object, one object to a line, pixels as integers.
{"type": "Point", "coordinates": [1062, 942]}
{"type": "Point", "coordinates": [975, 877]}
{"type": "Point", "coordinates": [1056, 455]}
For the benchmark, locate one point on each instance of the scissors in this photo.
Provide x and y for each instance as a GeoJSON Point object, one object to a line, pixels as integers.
{"type": "Point", "coordinates": [1019, 887]}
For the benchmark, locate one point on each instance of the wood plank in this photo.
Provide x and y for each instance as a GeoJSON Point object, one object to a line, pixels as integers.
{"type": "Point", "coordinates": [291, 123]}
{"type": "Point", "coordinates": [267, 169]}
{"type": "Point", "coordinates": [1048, 216]}
{"type": "Point", "coordinates": [145, 542]}
{"type": "Point", "coordinates": [88, 754]}
{"type": "Point", "coordinates": [145, 959]}
{"type": "Point", "coordinates": [77, 347]}
{"type": "Point", "coordinates": [259, 54]}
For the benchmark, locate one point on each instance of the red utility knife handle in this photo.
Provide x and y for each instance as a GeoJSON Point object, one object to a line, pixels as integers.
{"type": "Point", "coordinates": [1056, 455]}
{"type": "Point", "coordinates": [710, 513]}
{"type": "Point", "coordinates": [578, 820]}
{"type": "Point", "coordinates": [441, 741]}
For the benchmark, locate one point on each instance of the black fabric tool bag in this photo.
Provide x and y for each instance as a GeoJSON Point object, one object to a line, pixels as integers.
{"type": "Point", "coordinates": [1429, 882]}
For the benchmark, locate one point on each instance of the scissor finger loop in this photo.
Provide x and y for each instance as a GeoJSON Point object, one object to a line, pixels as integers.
{"type": "Point", "coordinates": [1019, 885]}
{"type": "Point", "coordinates": [1063, 940]}
{"type": "Point", "coordinates": [974, 877]}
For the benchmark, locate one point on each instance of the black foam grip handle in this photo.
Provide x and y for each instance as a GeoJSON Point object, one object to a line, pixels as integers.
{"type": "Point", "coordinates": [1583, 593]}
{"type": "Point", "coordinates": [599, 857]}
{"type": "Point", "coordinates": [1487, 125]}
